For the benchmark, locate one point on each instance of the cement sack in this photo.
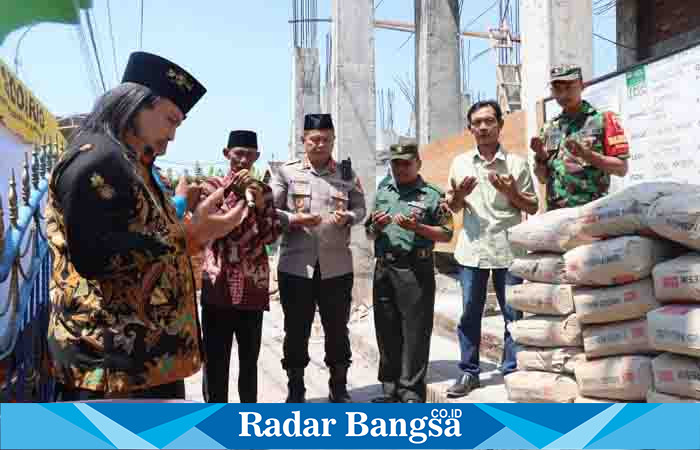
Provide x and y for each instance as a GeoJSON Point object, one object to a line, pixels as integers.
{"type": "Point", "coordinates": [624, 212]}
{"type": "Point", "coordinates": [540, 387]}
{"type": "Point", "coordinates": [678, 280]}
{"type": "Point", "coordinates": [557, 360]}
{"type": "Point", "coordinates": [617, 303]}
{"type": "Point", "coordinates": [677, 218]}
{"type": "Point", "coordinates": [619, 260]}
{"type": "Point", "coordinates": [658, 397]}
{"type": "Point", "coordinates": [547, 331]}
{"type": "Point", "coordinates": [616, 377]}
{"type": "Point", "coordinates": [619, 338]}
{"type": "Point", "coordinates": [675, 329]}
{"type": "Point", "coordinates": [677, 375]}
{"type": "Point", "coordinates": [539, 268]}
{"type": "Point", "coordinates": [554, 231]}
{"type": "Point", "coordinates": [541, 298]}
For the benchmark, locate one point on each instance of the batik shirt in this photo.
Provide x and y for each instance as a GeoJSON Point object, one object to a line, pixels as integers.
{"type": "Point", "coordinates": [124, 316]}
{"type": "Point", "coordinates": [238, 262]}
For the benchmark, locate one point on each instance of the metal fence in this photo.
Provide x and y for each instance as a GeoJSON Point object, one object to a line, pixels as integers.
{"type": "Point", "coordinates": [25, 270]}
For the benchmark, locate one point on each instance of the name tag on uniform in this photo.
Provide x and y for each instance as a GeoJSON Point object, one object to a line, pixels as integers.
{"type": "Point", "coordinates": [591, 131]}
{"type": "Point", "coordinates": [300, 187]}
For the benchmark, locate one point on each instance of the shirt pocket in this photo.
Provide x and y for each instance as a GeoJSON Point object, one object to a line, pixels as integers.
{"type": "Point", "coordinates": [299, 196]}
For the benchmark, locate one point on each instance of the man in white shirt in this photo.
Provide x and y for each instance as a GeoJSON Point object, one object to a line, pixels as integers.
{"type": "Point", "coordinates": [492, 187]}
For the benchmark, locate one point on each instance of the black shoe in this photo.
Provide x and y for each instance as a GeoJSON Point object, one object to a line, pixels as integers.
{"type": "Point", "coordinates": [463, 386]}
{"type": "Point", "coordinates": [295, 386]}
{"type": "Point", "coordinates": [337, 385]}
{"type": "Point", "coordinates": [339, 394]}
{"type": "Point", "coordinates": [412, 400]}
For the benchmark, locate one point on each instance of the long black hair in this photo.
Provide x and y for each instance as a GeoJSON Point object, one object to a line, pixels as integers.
{"type": "Point", "coordinates": [115, 110]}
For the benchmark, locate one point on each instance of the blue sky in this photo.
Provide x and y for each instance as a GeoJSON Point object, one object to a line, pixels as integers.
{"type": "Point", "coordinates": [240, 50]}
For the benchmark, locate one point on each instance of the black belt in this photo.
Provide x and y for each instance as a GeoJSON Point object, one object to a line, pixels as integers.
{"type": "Point", "coordinates": [404, 258]}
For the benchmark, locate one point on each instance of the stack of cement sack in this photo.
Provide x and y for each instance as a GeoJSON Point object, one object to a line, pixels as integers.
{"type": "Point", "coordinates": [550, 344]}
{"type": "Point", "coordinates": [603, 255]}
{"type": "Point", "coordinates": [675, 328]}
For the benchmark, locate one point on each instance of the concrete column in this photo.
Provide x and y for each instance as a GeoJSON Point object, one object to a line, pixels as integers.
{"type": "Point", "coordinates": [554, 32]}
{"type": "Point", "coordinates": [354, 113]}
{"type": "Point", "coordinates": [627, 32]}
{"type": "Point", "coordinates": [306, 91]}
{"type": "Point", "coordinates": [438, 93]}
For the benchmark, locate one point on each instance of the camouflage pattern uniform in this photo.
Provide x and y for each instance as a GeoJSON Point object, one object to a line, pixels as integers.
{"type": "Point", "coordinates": [573, 181]}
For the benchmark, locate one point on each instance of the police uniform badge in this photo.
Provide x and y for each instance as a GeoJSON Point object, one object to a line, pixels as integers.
{"type": "Point", "coordinates": [300, 192]}
{"type": "Point", "coordinates": [339, 201]}
{"type": "Point", "coordinates": [299, 203]}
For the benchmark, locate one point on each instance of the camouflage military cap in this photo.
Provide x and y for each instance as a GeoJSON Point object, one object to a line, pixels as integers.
{"type": "Point", "coordinates": [565, 72]}
{"type": "Point", "coordinates": [404, 151]}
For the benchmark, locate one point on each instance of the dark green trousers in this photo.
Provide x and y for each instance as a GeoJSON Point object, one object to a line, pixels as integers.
{"type": "Point", "coordinates": [404, 303]}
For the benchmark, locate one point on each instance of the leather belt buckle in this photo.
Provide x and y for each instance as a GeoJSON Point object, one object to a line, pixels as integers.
{"type": "Point", "coordinates": [423, 253]}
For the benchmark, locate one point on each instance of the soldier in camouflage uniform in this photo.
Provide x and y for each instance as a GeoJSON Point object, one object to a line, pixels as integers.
{"type": "Point", "coordinates": [577, 151]}
{"type": "Point", "coordinates": [409, 216]}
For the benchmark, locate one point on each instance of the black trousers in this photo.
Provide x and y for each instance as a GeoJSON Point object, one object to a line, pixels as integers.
{"type": "Point", "coordinates": [220, 324]}
{"type": "Point", "coordinates": [404, 303]}
{"type": "Point", "coordinates": [300, 297]}
{"type": "Point", "coordinates": [170, 391]}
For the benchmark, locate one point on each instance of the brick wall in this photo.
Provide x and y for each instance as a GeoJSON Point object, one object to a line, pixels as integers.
{"type": "Point", "coordinates": [667, 25]}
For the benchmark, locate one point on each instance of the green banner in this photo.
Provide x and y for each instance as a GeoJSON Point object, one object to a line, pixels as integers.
{"type": "Point", "coordinates": [21, 13]}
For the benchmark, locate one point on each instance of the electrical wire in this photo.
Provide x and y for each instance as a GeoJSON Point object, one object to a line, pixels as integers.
{"type": "Point", "coordinates": [97, 54]}
{"type": "Point", "coordinates": [87, 58]}
{"type": "Point", "coordinates": [613, 42]}
{"type": "Point", "coordinates": [482, 14]}
{"type": "Point", "coordinates": [141, 28]}
{"type": "Point", "coordinates": [114, 47]}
